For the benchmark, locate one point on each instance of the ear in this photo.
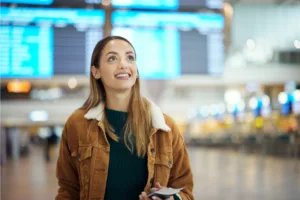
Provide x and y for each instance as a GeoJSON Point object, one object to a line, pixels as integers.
{"type": "Point", "coordinates": [96, 72]}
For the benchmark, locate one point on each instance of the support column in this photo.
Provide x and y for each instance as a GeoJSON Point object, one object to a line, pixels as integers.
{"type": "Point", "coordinates": [14, 140]}
{"type": "Point", "coordinates": [3, 140]}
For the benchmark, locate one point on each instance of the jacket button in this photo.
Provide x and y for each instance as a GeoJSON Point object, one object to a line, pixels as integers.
{"type": "Point", "coordinates": [78, 155]}
{"type": "Point", "coordinates": [170, 163]}
{"type": "Point", "coordinates": [152, 150]}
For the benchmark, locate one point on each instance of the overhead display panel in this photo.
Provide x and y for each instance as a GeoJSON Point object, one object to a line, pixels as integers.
{"type": "Point", "coordinates": [37, 2]}
{"type": "Point", "coordinates": [130, 4]}
{"type": "Point", "coordinates": [171, 44]}
{"type": "Point", "coordinates": [40, 42]}
{"type": "Point", "coordinates": [167, 4]}
{"type": "Point", "coordinates": [146, 4]}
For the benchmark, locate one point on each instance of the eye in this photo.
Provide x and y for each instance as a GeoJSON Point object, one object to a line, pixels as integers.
{"type": "Point", "coordinates": [131, 58]}
{"type": "Point", "coordinates": [112, 59]}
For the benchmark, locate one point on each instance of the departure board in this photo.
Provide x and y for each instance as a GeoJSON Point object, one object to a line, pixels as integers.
{"type": "Point", "coordinates": [40, 42]}
{"type": "Point", "coordinates": [38, 2]}
{"type": "Point", "coordinates": [26, 51]}
{"type": "Point", "coordinates": [171, 44]}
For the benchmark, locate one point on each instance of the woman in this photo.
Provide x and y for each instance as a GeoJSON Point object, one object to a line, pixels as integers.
{"type": "Point", "coordinates": [119, 145]}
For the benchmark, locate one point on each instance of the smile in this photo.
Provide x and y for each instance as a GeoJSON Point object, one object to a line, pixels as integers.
{"type": "Point", "coordinates": [123, 76]}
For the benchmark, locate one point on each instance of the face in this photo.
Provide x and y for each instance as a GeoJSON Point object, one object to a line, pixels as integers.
{"type": "Point", "coordinates": [118, 71]}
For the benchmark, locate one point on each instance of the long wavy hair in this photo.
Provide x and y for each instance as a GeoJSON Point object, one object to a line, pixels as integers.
{"type": "Point", "coordinates": [138, 124]}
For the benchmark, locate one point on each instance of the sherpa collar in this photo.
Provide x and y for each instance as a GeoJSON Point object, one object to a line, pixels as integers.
{"type": "Point", "coordinates": [158, 120]}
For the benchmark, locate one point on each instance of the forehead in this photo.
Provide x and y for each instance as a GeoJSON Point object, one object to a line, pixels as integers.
{"type": "Point", "coordinates": [118, 46]}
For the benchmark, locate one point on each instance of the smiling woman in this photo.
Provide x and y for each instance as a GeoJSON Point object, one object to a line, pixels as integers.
{"type": "Point", "coordinates": [119, 145]}
{"type": "Point", "coordinates": [117, 63]}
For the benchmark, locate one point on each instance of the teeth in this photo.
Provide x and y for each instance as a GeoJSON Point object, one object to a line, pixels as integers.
{"type": "Point", "coordinates": [122, 75]}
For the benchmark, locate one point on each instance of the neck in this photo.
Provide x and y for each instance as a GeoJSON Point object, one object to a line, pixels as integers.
{"type": "Point", "coordinates": [118, 101]}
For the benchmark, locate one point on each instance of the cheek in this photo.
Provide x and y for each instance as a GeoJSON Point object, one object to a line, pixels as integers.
{"type": "Point", "coordinates": [107, 70]}
{"type": "Point", "coordinates": [107, 73]}
{"type": "Point", "coordinates": [134, 69]}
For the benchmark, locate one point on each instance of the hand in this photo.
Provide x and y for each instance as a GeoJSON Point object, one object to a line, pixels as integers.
{"type": "Point", "coordinates": [143, 195]}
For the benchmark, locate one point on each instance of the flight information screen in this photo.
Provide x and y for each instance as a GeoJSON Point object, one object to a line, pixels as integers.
{"type": "Point", "coordinates": [40, 42]}
{"type": "Point", "coordinates": [26, 52]}
{"type": "Point", "coordinates": [168, 4]}
{"type": "Point", "coordinates": [171, 44]}
{"type": "Point", "coordinates": [156, 4]}
{"type": "Point", "coordinates": [37, 2]}
{"type": "Point", "coordinates": [134, 4]}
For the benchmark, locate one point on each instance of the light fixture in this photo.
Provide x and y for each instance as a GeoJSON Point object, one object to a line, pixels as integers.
{"type": "Point", "coordinates": [296, 95]}
{"type": "Point", "coordinates": [282, 98]}
{"type": "Point", "coordinates": [230, 108]}
{"type": "Point", "coordinates": [241, 106]}
{"type": "Point", "coordinates": [221, 108]}
{"type": "Point", "coordinates": [228, 10]}
{"type": "Point", "coordinates": [106, 2]}
{"type": "Point", "coordinates": [297, 44]}
{"type": "Point", "coordinates": [72, 83]}
{"type": "Point", "coordinates": [18, 86]}
{"type": "Point", "coordinates": [204, 110]}
{"type": "Point", "coordinates": [232, 96]}
{"type": "Point", "coordinates": [250, 44]}
{"type": "Point", "coordinates": [265, 100]}
{"type": "Point", "coordinates": [213, 109]}
{"type": "Point", "coordinates": [38, 116]}
{"type": "Point", "coordinates": [253, 103]}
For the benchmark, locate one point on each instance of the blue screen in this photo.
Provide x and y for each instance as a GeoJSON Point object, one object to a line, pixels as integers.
{"type": "Point", "coordinates": [186, 20]}
{"type": "Point", "coordinates": [158, 41]}
{"type": "Point", "coordinates": [26, 52]}
{"type": "Point", "coordinates": [27, 38]}
{"type": "Point", "coordinates": [154, 4]}
{"type": "Point", "coordinates": [38, 2]}
{"type": "Point", "coordinates": [52, 16]}
{"type": "Point", "coordinates": [157, 53]}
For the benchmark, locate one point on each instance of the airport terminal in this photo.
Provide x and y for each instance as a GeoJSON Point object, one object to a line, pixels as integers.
{"type": "Point", "coordinates": [226, 71]}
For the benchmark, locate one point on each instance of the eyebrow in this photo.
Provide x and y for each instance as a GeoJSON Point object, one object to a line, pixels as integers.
{"type": "Point", "coordinates": [113, 52]}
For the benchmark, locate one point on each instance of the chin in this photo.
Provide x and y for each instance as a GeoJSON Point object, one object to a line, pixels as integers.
{"type": "Point", "coordinates": [124, 88]}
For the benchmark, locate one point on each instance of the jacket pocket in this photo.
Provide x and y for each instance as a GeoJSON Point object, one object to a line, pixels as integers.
{"type": "Point", "coordinates": [82, 153]}
{"type": "Point", "coordinates": [162, 168]}
{"type": "Point", "coordinates": [164, 159]}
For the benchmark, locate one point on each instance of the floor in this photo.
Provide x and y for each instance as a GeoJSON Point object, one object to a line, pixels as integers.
{"type": "Point", "coordinates": [218, 174]}
{"type": "Point", "coordinates": [230, 175]}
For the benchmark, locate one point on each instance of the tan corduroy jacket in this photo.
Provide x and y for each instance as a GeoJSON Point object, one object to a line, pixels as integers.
{"type": "Point", "coordinates": [84, 156]}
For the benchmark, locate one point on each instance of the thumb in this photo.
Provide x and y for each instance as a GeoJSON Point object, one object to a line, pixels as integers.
{"type": "Point", "coordinates": [158, 185]}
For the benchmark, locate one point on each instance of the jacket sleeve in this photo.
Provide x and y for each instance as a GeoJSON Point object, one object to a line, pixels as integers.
{"type": "Point", "coordinates": [181, 173]}
{"type": "Point", "coordinates": [66, 172]}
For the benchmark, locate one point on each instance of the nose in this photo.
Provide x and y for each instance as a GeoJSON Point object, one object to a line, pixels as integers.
{"type": "Point", "coordinates": [123, 64]}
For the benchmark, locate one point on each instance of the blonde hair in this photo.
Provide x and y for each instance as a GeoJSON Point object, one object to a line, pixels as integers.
{"type": "Point", "coordinates": [138, 124]}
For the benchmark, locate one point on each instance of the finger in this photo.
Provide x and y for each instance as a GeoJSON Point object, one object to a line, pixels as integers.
{"type": "Point", "coordinates": [158, 185]}
{"type": "Point", "coordinates": [156, 198]}
{"type": "Point", "coordinates": [154, 189]}
{"type": "Point", "coordinates": [144, 196]}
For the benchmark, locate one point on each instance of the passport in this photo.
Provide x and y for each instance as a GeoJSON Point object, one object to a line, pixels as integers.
{"type": "Point", "coordinates": [164, 193]}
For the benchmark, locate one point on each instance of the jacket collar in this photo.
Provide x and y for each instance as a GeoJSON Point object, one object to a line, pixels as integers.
{"type": "Point", "coordinates": [158, 120]}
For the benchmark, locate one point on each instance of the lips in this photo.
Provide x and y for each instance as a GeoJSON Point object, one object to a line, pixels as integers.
{"type": "Point", "coordinates": [122, 75]}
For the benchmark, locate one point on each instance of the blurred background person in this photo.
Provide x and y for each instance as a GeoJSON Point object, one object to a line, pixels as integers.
{"type": "Point", "coordinates": [50, 142]}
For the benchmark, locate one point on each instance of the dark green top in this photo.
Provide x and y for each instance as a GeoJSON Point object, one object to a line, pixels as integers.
{"type": "Point", "coordinates": [127, 173]}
